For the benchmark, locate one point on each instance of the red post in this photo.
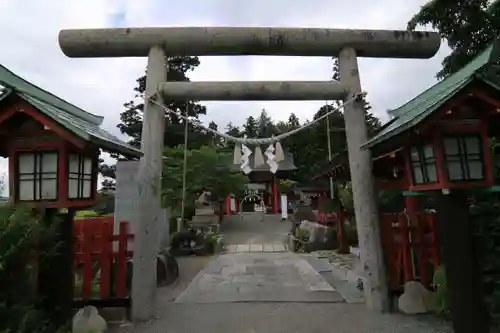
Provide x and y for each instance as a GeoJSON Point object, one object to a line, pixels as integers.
{"type": "Point", "coordinates": [228, 205]}
{"type": "Point", "coordinates": [275, 197]}
{"type": "Point", "coordinates": [412, 204]}
{"type": "Point", "coordinates": [87, 269]}
{"type": "Point", "coordinates": [390, 235]}
{"type": "Point", "coordinates": [121, 260]}
{"type": "Point", "coordinates": [406, 248]}
{"type": "Point", "coordinates": [423, 258]}
{"type": "Point", "coordinates": [105, 259]}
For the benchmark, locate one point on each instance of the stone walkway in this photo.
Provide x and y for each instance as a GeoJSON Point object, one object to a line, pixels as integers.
{"type": "Point", "coordinates": [255, 248]}
{"type": "Point", "coordinates": [259, 277]}
{"type": "Point", "coordinates": [252, 289]}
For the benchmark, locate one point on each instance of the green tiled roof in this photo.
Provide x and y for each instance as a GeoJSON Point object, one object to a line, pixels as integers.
{"type": "Point", "coordinates": [422, 106]}
{"type": "Point", "coordinates": [81, 123]}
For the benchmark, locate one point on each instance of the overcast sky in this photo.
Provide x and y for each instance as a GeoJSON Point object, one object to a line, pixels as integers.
{"type": "Point", "coordinates": [29, 30]}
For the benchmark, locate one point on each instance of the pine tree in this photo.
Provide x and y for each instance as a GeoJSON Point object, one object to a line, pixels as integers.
{"type": "Point", "coordinates": [131, 118]}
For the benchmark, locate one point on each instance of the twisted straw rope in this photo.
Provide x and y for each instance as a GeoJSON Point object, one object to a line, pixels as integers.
{"type": "Point", "coordinates": [250, 141]}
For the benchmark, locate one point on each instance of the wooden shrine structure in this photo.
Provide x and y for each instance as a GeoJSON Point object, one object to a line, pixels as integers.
{"type": "Point", "coordinates": [439, 145]}
{"type": "Point", "coordinates": [53, 149]}
{"type": "Point", "coordinates": [261, 174]}
{"type": "Point", "coordinates": [440, 140]}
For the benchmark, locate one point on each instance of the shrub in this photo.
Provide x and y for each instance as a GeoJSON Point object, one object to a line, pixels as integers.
{"type": "Point", "coordinates": [351, 234]}
{"type": "Point", "coordinates": [441, 289]}
{"type": "Point", "coordinates": [21, 231]}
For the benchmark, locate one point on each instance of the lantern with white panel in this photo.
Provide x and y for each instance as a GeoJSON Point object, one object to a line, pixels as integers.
{"type": "Point", "coordinates": [37, 176]}
{"type": "Point", "coordinates": [53, 146]}
{"type": "Point", "coordinates": [80, 176]}
{"type": "Point", "coordinates": [58, 177]}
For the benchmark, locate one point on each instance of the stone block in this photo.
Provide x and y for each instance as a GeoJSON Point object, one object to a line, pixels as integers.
{"type": "Point", "coordinates": [256, 247]}
{"type": "Point", "coordinates": [416, 299]}
{"type": "Point", "coordinates": [87, 319]}
{"type": "Point", "coordinates": [321, 237]}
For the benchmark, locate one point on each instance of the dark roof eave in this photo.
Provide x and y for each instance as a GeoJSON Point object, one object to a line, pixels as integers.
{"type": "Point", "coordinates": [376, 140]}
{"type": "Point", "coordinates": [130, 153]}
{"type": "Point", "coordinates": [449, 86]}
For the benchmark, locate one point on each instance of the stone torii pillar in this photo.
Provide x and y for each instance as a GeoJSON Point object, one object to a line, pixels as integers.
{"type": "Point", "coordinates": [158, 43]}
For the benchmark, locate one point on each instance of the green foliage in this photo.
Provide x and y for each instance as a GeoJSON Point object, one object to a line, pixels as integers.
{"type": "Point", "coordinates": [391, 201]}
{"type": "Point", "coordinates": [441, 292]}
{"type": "Point", "coordinates": [131, 124]}
{"type": "Point", "coordinates": [21, 231]}
{"type": "Point", "coordinates": [207, 168]}
{"type": "Point", "coordinates": [468, 26]}
{"type": "Point", "coordinates": [351, 233]}
{"type": "Point", "coordinates": [131, 118]}
{"type": "Point", "coordinates": [285, 185]}
{"type": "Point", "coordinates": [345, 196]}
{"type": "Point", "coordinates": [214, 240]}
{"type": "Point", "coordinates": [302, 237]}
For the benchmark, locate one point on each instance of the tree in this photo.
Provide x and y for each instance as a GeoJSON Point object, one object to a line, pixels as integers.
{"type": "Point", "coordinates": [310, 146]}
{"type": "Point", "coordinates": [174, 127]}
{"type": "Point", "coordinates": [265, 125]}
{"type": "Point", "coordinates": [109, 174]}
{"type": "Point", "coordinates": [207, 168]}
{"type": "Point", "coordinates": [216, 140]}
{"type": "Point", "coordinates": [293, 121]}
{"type": "Point", "coordinates": [468, 26]}
{"type": "Point", "coordinates": [250, 127]}
{"type": "Point", "coordinates": [233, 131]}
{"type": "Point", "coordinates": [108, 185]}
{"type": "Point", "coordinates": [131, 118]}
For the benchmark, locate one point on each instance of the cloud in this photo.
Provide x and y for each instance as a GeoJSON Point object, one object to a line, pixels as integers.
{"type": "Point", "coordinates": [30, 49]}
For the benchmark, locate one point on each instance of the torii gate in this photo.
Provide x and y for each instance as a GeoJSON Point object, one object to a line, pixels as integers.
{"type": "Point", "coordinates": [159, 43]}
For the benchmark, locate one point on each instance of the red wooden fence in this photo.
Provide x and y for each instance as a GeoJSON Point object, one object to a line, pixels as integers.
{"type": "Point", "coordinates": [410, 247]}
{"type": "Point", "coordinates": [94, 252]}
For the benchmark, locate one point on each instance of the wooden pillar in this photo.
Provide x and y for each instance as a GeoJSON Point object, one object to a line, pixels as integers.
{"type": "Point", "coordinates": [412, 204]}
{"type": "Point", "coordinates": [363, 187]}
{"type": "Point", "coordinates": [149, 190]}
{"type": "Point", "coordinates": [228, 205]}
{"type": "Point", "coordinates": [57, 268]}
{"type": "Point", "coordinates": [275, 197]}
{"type": "Point", "coordinates": [456, 240]}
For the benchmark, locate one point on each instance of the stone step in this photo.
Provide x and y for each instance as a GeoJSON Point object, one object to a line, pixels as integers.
{"type": "Point", "coordinates": [256, 248]}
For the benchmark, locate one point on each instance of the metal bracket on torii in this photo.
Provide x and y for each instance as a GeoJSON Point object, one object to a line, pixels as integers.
{"type": "Point", "coordinates": [159, 43]}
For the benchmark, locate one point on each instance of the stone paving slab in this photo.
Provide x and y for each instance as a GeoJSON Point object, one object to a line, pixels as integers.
{"type": "Point", "coordinates": [259, 277]}
{"type": "Point", "coordinates": [255, 248]}
{"type": "Point", "coordinates": [283, 318]}
{"type": "Point", "coordinates": [345, 281]}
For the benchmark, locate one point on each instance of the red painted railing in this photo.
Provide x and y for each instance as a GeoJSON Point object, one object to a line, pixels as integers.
{"type": "Point", "coordinates": [97, 263]}
{"type": "Point", "coordinates": [410, 247]}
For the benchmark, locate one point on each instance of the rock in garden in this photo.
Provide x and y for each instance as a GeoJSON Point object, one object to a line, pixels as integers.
{"type": "Point", "coordinates": [88, 319]}
{"type": "Point", "coordinates": [416, 299]}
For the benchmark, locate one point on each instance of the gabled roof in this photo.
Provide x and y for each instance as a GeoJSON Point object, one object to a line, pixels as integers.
{"type": "Point", "coordinates": [81, 123]}
{"type": "Point", "coordinates": [422, 106]}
